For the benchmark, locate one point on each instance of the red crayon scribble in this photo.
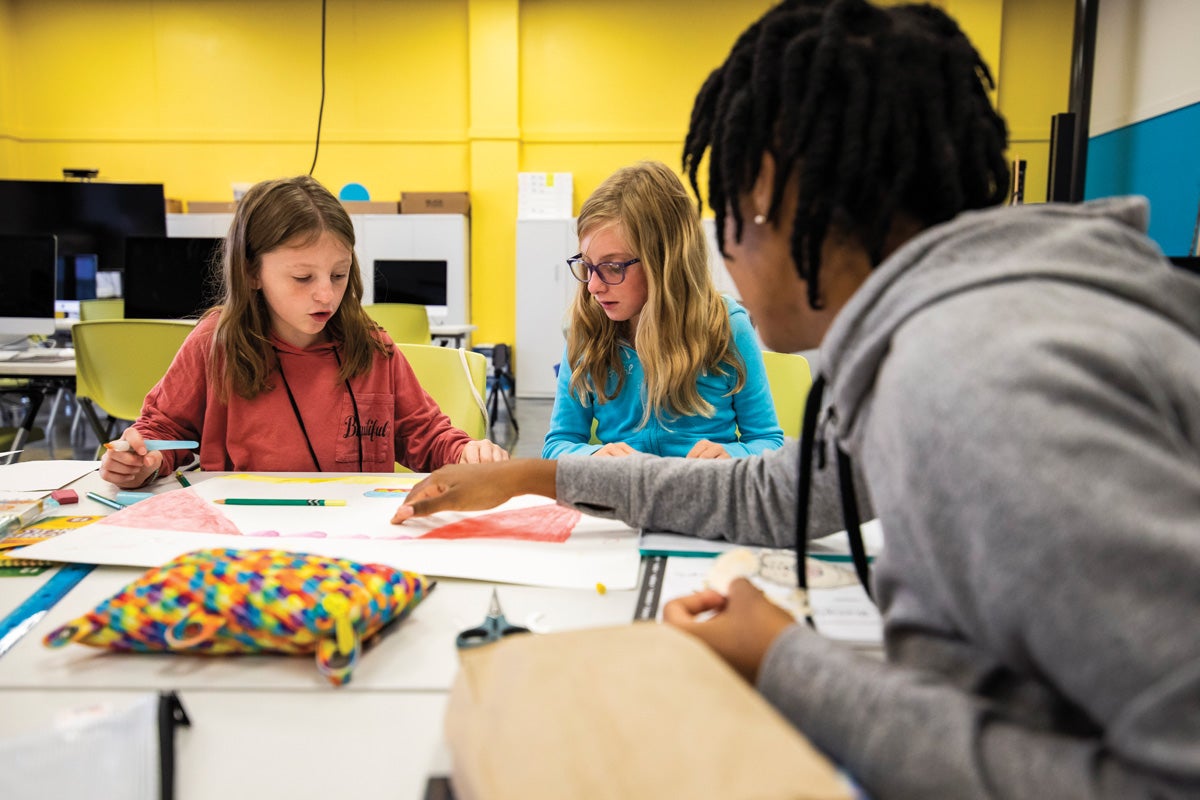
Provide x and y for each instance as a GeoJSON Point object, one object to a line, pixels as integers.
{"type": "Point", "coordinates": [548, 523]}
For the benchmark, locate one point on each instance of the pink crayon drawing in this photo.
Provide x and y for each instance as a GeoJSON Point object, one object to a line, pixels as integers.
{"type": "Point", "coordinates": [178, 510]}
{"type": "Point", "coordinates": [548, 523]}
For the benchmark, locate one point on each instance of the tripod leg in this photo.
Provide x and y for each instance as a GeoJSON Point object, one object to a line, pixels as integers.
{"type": "Point", "coordinates": [493, 405]}
{"type": "Point", "coordinates": [511, 416]}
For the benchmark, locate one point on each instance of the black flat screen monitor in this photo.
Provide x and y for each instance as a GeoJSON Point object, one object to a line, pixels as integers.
{"type": "Point", "coordinates": [27, 275]}
{"type": "Point", "coordinates": [90, 220]}
{"type": "Point", "coordinates": [174, 277]}
{"type": "Point", "coordinates": [422, 283]}
{"type": "Point", "coordinates": [1189, 263]}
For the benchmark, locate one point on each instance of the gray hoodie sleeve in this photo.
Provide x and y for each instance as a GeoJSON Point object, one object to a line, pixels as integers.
{"type": "Point", "coordinates": [748, 500]}
{"type": "Point", "coordinates": [906, 735]}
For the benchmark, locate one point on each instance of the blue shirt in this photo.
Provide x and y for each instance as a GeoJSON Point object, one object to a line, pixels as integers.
{"type": "Point", "coordinates": [743, 423]}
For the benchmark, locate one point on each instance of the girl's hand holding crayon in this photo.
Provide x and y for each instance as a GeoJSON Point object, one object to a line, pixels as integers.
{"type": "Point", "coordinates": [133, 466]}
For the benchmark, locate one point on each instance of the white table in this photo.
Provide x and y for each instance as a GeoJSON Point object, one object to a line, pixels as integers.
{"type": "Point", "coordinates": [271, 726]}
{"type": "Point", "coordinates": [445, 334]}
{"type": "Point", "coordinates": [43, 377]}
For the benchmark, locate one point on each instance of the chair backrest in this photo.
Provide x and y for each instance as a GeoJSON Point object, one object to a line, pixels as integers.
{"type": "Point", "coordinates": [107, 308]}
{"type": "Point", "coordinates": [117, 361]}
{"type": "Point", "coordinates": [441, 373]}
{"type": "Point", "coordinates": [789, 378]}
{"type": "Point", "coordinates": [404, 322]}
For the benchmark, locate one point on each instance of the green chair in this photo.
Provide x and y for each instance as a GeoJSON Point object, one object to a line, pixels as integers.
{"type": "Point", "coordinates": [456, 379]}
{"type": "Point", "coordinates": [8, 435]}
{"type": "Point", "coordinates": [118, 361]}
{"type": "Point", "coordinates": [789, 378]}
{"type": "Point", "coordinates": [404, 322]}
{"type": "Point", "coordinates": [107, 308]}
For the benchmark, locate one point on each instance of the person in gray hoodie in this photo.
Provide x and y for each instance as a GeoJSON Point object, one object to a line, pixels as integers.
{"type": "Point", "coordinates": [1019, 387]}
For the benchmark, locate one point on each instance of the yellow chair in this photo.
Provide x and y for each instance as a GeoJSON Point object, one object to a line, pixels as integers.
{"type": "Point", "coordinates": [456, 379]}
{"type": "Point", "coordinates": [404, 322]}
{"type": "Point", "coordinates": [789, 378]}
{"type": "Point", "coordinates": [108, 308]}
{"type": "Point", "coordinates": [118, 361]}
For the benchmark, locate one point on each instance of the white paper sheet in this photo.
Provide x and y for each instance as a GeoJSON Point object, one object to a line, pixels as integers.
{"type": "Point", "coordinates": [834, 544]}
{"type": "Point", "coordinates": [43, 476]}
{"type": "Point", "coordinates": [840, 607]}
{"type": "Point", "coordinates": [153, 531]}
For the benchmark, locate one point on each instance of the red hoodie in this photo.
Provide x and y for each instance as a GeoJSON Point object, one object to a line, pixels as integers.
{"type": "Point", "coordinates": [396, 420]}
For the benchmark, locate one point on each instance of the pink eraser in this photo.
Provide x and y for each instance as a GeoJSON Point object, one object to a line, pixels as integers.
{"type": "Point", "coordinates": [65, 496]}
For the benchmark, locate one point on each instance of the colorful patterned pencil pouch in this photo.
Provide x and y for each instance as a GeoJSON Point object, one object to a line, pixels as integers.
{"type": "Point", "coordinates": [214, 602]}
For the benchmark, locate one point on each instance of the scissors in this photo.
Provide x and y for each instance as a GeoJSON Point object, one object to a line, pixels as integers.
{"type": "Point", "coordinates": [493, 627]}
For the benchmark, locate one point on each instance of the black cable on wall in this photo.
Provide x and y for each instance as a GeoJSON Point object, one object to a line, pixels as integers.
{"type": "Point", "coordinates": [321, 109]}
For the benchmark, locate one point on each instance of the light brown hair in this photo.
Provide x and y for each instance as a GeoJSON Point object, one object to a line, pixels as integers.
{"type": "Point", "coordinates": [290, 212]}
{"type": "Point", "coordinates": [683, 330]}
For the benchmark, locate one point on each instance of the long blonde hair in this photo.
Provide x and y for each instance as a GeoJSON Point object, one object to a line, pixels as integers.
{"type": "Point", "coordinates": [683, 330]}
{"type": "Point", "coordinates": [272, 214]}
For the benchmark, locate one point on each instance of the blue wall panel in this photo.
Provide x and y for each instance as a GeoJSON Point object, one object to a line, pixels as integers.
{"type": "Point", "coordinates": [1158, 158]}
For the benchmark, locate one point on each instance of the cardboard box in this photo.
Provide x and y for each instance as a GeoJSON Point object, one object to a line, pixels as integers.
{"type": "Point", "coordinates": [371, 207]}
{"type": "Point", "coordinates": [205, 207]}
{"type": "Point", "coordinates": [174, 205]}
{"type": "Point", "coordinates": [435, 203]}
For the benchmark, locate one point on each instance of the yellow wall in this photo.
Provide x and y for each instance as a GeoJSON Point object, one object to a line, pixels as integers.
{"type": "Point", "coordinates": [421, 94]}
{"type": "Point", "coordinates": [201, 94]}
{"type": "Point", "coordinates": [7, 106]}
{"type": "Point", "coordinates": [1035, 81]}
{"type": "Point", "coordinates": [607, 83]}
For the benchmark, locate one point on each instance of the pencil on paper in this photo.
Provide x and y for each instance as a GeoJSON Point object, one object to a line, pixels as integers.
{"type": "Point", "coordinates": [271, 501]}
{"type": "Point", "coordinates": [184, 481]}
{"type": "Point", "coordinates": [104, 501]}
{"type": "Point", "coordinates": [121, 445]}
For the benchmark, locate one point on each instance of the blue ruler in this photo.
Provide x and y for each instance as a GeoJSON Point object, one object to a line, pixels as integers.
{"type": "Point", "coordinates": [33, 608]}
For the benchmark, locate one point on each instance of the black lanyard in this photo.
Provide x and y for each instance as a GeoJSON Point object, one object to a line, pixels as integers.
{"type": "Point", "coordinates": [296, 410]}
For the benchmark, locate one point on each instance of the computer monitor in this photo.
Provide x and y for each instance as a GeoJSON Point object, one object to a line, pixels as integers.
{"type": "Point", "coordinates": [1189, 263]}
{"type": "Point", "coordinates": [27, 275]}
{"type": "Point", "coordinates": [420, 282]}
{"type": "Point", "coordinates": [75, 277]}
{"type": "Point", "coordinates": [171, 277]}
{"type": "Point", "coordinates": [90, 220]}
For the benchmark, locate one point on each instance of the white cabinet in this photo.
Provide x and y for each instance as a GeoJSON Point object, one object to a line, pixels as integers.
{"type": "Point", "coordinates": [544, 288]}
{"type": "Point", "coordinates": [419, 237]}
{"type": "Point", "coordinates": [544, 292]}
{"type": "Point", "coordinates": [384, 237]}
{"type": "Point", "coordinates": [199, 225]}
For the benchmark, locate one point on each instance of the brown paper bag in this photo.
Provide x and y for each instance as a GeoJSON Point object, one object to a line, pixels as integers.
{"type": "Point", "coordinates": [639, 711]}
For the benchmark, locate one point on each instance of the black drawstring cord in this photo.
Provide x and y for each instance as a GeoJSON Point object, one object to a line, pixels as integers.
{"type": "Point", "coordinates": [808, 430]}
{"type": "Point", "coordinates": [858, 552]}
{"type": "Point", "coordinates": [300, 419]}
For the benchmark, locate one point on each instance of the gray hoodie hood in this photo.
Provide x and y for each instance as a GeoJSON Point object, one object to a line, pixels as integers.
{"type": "Point", "coordinates": [1099, 244]}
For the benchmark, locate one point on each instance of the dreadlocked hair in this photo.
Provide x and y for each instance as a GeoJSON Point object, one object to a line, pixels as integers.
{"type": "Point", "coordinates": [683, 330]}
{"type": "Point", "coordinates": [874, 111]}
{"type": "Point", "coordinates": [289, 212]}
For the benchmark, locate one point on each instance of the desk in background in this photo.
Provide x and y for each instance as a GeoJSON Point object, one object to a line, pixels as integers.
{"type": "Point", "coordinates": [444, 335]}
{"type": "Point", "coordinates": [271, 726]}
{"type": "Point", "coordinates": [41, 376]}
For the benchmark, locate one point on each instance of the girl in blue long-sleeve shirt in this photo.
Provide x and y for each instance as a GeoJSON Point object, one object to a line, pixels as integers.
{"type": "Point", "coordinates": [656, 358]}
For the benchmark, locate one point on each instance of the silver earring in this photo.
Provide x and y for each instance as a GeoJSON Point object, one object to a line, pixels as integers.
{"type": "Point", "coordinates": [759, 219]}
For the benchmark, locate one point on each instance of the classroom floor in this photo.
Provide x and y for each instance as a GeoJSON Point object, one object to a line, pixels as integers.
{"type": "Point", "coordinates": [533, 416]}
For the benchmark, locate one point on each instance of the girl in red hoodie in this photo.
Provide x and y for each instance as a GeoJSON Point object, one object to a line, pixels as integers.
{"type": "Point", "coordinates": [288, 373]}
